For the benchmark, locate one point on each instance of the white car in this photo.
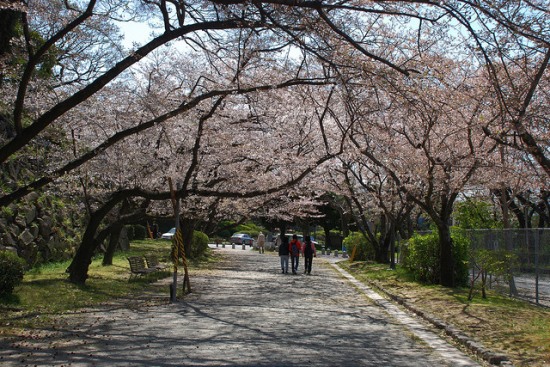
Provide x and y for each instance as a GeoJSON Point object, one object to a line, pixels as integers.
{"type": "Point", "coordinates": [168, 235]}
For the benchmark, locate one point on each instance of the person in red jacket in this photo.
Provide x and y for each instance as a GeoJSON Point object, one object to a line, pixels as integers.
{"type": "Point", "coordinates": [309, 253]}
{"type": "Point", "coordinates": [294, 247]}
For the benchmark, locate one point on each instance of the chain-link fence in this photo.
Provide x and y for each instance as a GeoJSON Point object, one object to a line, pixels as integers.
{"type": "Point", "coordinates": [517, 261]}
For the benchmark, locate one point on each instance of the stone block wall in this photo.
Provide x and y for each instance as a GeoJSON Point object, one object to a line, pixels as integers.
{"type": "Point", "coordinates": [41, 228]}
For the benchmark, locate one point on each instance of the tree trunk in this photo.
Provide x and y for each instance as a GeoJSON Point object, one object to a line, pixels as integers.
{"type": "Point", "coordinates": [187, 228]}
{"type": "Point", "coordinates": [114, 235]}
{"type": "Point", "coordinates": [282, 227]}
{"type": "Point", "coordinates": [113, 244]}
{"type": "Point", "coordinates": [345, 224]}
{"type": "Point", "coordinates": [409, 227]}
{"type": "Point", "coordinates": [503, 198]}
{"type": "Point", "coordinates": [306, 227]}
{"type": "Point", "coordinates": [446, 260]}
{"type": "Point", "coordinates": [392, 244]}
{"type": "Point", "coordinates": [328, 245]}
{"type": "Point", "coordinates": [78, 270]}
{"type": "Point", "coordinates": [381, 244]}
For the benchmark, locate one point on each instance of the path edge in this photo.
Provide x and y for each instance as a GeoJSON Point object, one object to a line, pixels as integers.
{"type": "Point", "coordinates": [470, 344]}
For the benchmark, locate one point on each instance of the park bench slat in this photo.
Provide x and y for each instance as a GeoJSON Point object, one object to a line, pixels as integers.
{"type": "Point", "coordinates": [153, 262]}
{"type": "Point", "coordinates": [137, 266]}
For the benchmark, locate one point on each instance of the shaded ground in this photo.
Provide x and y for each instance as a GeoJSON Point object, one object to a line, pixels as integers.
{"type": "Point", "coordinates": [243, 313]}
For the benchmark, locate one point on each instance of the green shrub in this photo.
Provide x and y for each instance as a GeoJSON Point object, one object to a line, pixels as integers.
{"type": "Point", "coordinates": [422, 254]}
{"type": "Point", "coordinates": [364, 250]}
{"type": "Point", "coordinates": [140, 232]}
{"type": "Point", "coordinates": [11, 271]}
{"type": "Point", "coordinates": [251, 228]}
{"type": "Point", "coordinates": [422, 257]}
{"type": "Point", "coordinates": [474, 214]}
{"type": "Point", "coordinates": [461, 254]}
{"type": "Point", "coordinates": [199, 244]}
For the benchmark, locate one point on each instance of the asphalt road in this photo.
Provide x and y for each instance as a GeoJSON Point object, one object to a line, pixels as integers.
{"type": "Point", "coordinates": [244, 313]}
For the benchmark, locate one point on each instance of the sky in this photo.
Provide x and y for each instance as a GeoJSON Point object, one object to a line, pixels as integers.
{"type": "Point", "coordinates": [135, 32]}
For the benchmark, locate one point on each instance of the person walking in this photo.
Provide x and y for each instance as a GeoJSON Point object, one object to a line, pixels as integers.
{"type": "Point", "coordinates": [278, 242]}
{"type": "Point", "coordinates": [261, 242]}
{"type": "Point", "coordinates": [295, 248]}
{"type": "Point", "coordinates": [309, 253]}
{"type": "Point", "coordinates": [283, 253]}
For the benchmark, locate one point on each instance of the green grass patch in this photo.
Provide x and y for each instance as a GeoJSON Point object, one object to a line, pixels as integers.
{"type": "Point", "coordinates": [373, 271]}
{"type": "Point", "coordinates": [46, 291]}
{"type": "Point", "coordinates": [516, 328]}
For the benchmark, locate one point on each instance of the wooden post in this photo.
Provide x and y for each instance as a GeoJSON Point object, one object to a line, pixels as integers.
{"type": "Point", "coordinates": [353, 252]}
{"type": "Point", "coordinates": [149, 233]}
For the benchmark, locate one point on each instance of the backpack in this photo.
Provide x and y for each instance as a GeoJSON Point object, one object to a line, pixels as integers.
{"type": "Point", "coordinates": [294, 248]}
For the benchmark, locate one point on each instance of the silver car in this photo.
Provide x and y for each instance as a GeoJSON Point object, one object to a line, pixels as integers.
{"type": "Point", "coordinates": [242, 239]}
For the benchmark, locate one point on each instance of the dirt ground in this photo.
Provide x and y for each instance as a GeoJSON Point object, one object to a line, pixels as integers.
{"type": "Point", "coordinates": [242, 313]}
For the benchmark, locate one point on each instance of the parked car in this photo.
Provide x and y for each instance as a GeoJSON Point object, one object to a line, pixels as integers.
{"type": "Point", "coordinates": [168, 235]}
{"type": "Point", "coordinates": [242, 238]}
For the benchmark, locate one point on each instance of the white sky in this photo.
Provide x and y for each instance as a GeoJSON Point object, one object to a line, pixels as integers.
{"type": "Point", "coordinates": [135, 32]}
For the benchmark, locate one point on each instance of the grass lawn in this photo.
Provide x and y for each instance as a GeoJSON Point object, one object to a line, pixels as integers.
{"type": "Point", "coordinates": [518, 329]}
{"type": "Point", "coordinates": [46, 292]}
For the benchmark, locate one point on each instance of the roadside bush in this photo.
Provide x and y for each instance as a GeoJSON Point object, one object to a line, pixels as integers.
{"type": "Point", "coordinates": [364, 250]}
{"type": "Point", "coordinates": [461, 248]}
{"type": "Point", "coordinates": [11, 271]}
{"type": "Point", "coordinates": [422, 257]}
{"type": "Point", "coordinates": [498, 263]}
{"type": "Point", "coordinates": [199, 244]}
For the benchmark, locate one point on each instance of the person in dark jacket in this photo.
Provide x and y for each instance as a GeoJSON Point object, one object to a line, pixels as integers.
{"type": "Point", "coordinates": [309, 253]}
{"type": "Point", "coordinates": [283, 253]}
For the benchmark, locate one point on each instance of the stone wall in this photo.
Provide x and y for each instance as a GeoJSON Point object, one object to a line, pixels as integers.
{"type": "Point", "coordinates": [41, 228]}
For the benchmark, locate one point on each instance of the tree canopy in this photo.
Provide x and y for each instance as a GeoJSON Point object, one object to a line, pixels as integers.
{"type": "Point", "coordinates": [249, 105]}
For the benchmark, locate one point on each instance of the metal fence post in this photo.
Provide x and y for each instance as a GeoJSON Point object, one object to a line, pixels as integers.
{"type": "Point", "coordinates": [537, 249]}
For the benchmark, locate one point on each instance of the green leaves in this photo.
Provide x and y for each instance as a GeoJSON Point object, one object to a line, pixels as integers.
{"type": "Point", "coordinates": [11, 271]}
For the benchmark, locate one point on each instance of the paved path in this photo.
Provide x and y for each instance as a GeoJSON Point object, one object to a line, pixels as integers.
{"type": "Point", "coordinates": [244, 313]}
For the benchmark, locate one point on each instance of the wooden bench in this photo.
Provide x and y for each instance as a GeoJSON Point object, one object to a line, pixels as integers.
{"type": "Point", "coordinates": [153, 262]}
{"type": "Point", "coordinates": [137, 266]}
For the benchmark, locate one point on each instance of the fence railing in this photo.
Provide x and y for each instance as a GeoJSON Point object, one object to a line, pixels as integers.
{"type": "Point", "coordinates": [527, 275]}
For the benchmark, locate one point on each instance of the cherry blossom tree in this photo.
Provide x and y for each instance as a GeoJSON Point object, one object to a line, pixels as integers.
{"type": "Point", "coordinates": [259, 137]}
{"type": "Point", "coordinates": [521, 188]}
{"type": "Point", "coordinates": [520, 86]}
{"type": "Point", "coordinates": [422, 137]}
{"type": "Point", "coordinates": [379, 207]}
{"type": "Point", "coordinates": [318, 28]}
{"type": "Point", "coordinates": [106, 104]}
